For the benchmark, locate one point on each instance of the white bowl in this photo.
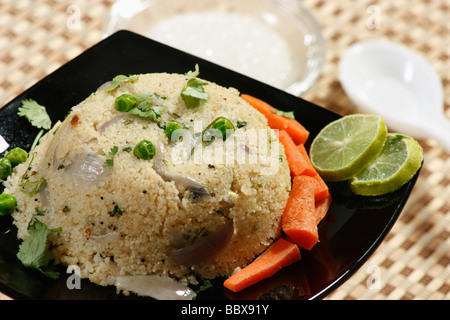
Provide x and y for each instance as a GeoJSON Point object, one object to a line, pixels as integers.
{"type": "Point", "coordinates": [393, 81]}
{"type": "Point", "coordinates": [275, 41]}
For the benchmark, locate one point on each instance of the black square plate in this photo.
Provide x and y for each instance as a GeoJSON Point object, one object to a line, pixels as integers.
{"type": "Point", "coordinates": [352, 230]}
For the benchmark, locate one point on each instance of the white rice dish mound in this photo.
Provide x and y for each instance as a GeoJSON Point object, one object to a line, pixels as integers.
{"type": "Point", "coordinates": [144, 217]}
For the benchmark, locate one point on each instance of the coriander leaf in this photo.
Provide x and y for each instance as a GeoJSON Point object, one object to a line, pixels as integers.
{"type": "Point", "coordinates": [159, 109]}
{"type": "Point", "coordinates": [109, 163]}
{"type": "Point", "coordinates": [118, 80]}
{"type": "Point", "coordinates": [116, 210]}
{"type": "Point", "coordinates": [37, 186]}
{"type": "Point", "coordinates": [194, 73]}
{"type": "Point", "coordinates": [34, 251]}
{"type": "Point", "coordinates": [25, 181]}
{"type": "Point", "coordinates": [151, 113]}
{"type": "Point", "coordinates": [50, 271]}
{"type": "Point", "coordinates": [145, 100]}
{"type": "Point", "coordinates": [206, 284]}
{"type": "Point", "coordinates": [146, 109]}
{"type": "Point", "coordinates": [35, 113]}
{"type": "Point", "coordinates": [113, 151]}
{"type": "Point", "coordinates": [287, 114]}
{"type": "Point", "coordinates": [194, 94]}
{"type": "Point", "coordinates": [241, 124]}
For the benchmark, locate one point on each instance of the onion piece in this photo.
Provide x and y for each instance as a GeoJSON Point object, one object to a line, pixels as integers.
{"type": "Point", "coordinates": [108, 237]}
{"type": "Point", "coordinates": [105, 125]}
{"type": "Point", "coordinates": [204, 248]}
{"type": "Point", "coordinates": [180, 180]}
{"type": "Point", "coordinates": [157, 287]}
{"type": "Point", "coordinates": [86, 170]}
{"type": "Point", "coordinates": [43, 195]}
{"type": "Point", "coordinates": [104, 86]}
{"type": "Point", "coordinates": [228, 201]}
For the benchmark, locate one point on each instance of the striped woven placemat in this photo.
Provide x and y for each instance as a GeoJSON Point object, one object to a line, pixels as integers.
{"type": "Point", "coordinates": [37, 37]}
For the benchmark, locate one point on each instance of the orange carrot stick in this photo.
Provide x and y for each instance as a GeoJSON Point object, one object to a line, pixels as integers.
{"type": "Point", "coordinates": [322, 190]}
{"type": "Point", "coordinates": [295, 129]}
{"type": "Point", "coordinates": [321, 210]}
{"type": "Point", "coordinates": [298, 164]}
{"type": "Point", "coordinates": [322, 207]}
{"type": "Point", "coordinates": [299, 220]}
{"type": "Point", "coordinates": [280, 254]}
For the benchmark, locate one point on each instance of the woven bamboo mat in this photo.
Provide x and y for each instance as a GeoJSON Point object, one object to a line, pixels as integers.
{"type": "Point", "coordinates": [37, 37]}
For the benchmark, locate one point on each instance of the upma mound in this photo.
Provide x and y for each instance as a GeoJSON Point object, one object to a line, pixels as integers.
{"type": "Point", "coordinates": [187, 206]}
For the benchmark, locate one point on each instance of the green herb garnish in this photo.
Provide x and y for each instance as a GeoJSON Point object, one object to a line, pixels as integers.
{"type": "Point", "coordinates": [241, 124]}
{"type": "Point", "coordinates": [205, 283]}
{"type": "Point", "coordinates": [141, 105]}
{"type": "Point", "coordinates": [26, 182]}
{"type": "Point", "coordinates": [109, 163]}
{"type": "Point", "coordinates": [287, 114]}
{"type": "Point", "coordinates": [194, 94]}
{"type": "Point", "coordinates": [116, 210]}
{"type": "Point", "coordinates": [118, 80]}
{"type": "Point", "coordinates": [194, 73]}
{"type": "Point", "coordinates": [34, 251]}
{"type": "Point", "coordinates": [146, 109]}
{"type": "Point", "coordinates": [35, 113]}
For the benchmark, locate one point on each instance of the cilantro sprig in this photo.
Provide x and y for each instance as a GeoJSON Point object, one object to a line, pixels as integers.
{"type": "Point", "coordinates": [35, 113]}
{"type": "Point", "coordinates": [205, 284]}
{"type": "Point", "coordinates": [109, 163]}
{"type": "Point", "coordinates": [193, 93]}
{"type": "Point", "coordinates": [117, 80]}
{"type": "Point", "coordinates": [34, 251]}
{"type": "Point", "coordinates": [116, 210]}
{"type": "Point", "coordinates": [145, 107]}
{"type": "Point", "coordinates": [25, 181]}
{"type": "Point", "coordinates": [287, 114]}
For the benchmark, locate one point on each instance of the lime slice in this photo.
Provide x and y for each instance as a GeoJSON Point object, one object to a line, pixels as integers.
{"type": "Point", "coordinates": [398, 161]}
{"type": "Point", "coordinates": [345, 146]}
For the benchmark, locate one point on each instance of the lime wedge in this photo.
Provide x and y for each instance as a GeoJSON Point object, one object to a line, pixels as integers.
{"type": "Point", "coordinates": [398, 161]}
{"type": "Point", "coordinates": [345, 146]}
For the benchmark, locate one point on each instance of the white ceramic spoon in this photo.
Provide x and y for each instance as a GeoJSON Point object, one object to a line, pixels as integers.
{"type": "Point", "coordinates": [393, 81]}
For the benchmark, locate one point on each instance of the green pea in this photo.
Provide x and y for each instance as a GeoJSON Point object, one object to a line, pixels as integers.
{"type": "Point", "coordinates": [220, 128]}
{"type": "Point", "coordinates": [144, 150]}
{"type": "Point", "coordinates": [125, 102]}
{"type": "Point", "coordinates": [5, 168]}
{"type": "Point", "coordinates": [171, 127]}
{"type": "Point", "coordinates": [7, 204]}
{"type": "Point", "coordinates": [16, 156]}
